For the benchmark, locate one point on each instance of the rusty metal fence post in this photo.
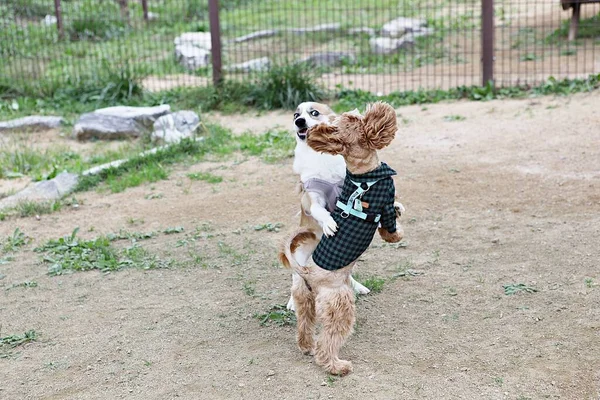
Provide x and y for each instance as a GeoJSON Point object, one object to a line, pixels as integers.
{"type": "Point", "coordinates": [487, 41]}
{"type": "Point", "coordinates": [145, 9]}
{"type": "Point", "coordinates": [215, 38]}
{"type": "Point", "coordinates": [59, 19]}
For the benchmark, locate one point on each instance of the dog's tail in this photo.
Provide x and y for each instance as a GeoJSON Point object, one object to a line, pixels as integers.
{"type": "Point", "coordinates": [297, 248]}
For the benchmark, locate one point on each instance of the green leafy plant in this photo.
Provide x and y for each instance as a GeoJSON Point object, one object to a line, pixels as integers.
{"type": "Point", "coordinates": [277, 315]}
{"type": "Point", "coordinates": [515, 288]}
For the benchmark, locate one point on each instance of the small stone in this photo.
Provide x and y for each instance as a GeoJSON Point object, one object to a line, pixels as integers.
{"type": "Point", "coordinates": [496, 240]}
{"type": "Point", "coordinates": [270, 372]}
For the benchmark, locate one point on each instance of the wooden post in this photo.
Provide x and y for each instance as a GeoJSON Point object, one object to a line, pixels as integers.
{"type": "Point", "coordinates": [574, 21]}
{"type": "Point", "coordinates": [487, 41]}
{"type": "Point", "coordinates": [215, 37]}
{"type": "Point", "coordinates": [59, 19]}
{"type": "Point", "coordinates": [145, 8]}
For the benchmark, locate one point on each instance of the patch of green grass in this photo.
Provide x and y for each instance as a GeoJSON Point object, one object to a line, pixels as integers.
{"type": "Point", "coordinates": [205, 176]}
{"type": "Point", "coordinates": [18, 340]}
{"type": "Point", "coordinates": [349, 99]}
{"type": "Point", "coordinates": [13, 242]}
{"type": "Point", "coordinates": [269, 227]}
{"type": "Point", "coordinates": [271, 146]}
{"type": "Point", "coordinates": [138, 257]}
{"type": "Point", "coordinates": [217, 141]}
{"type": "Point", "coordinates": [285, 86]}
{"type": "Point", "coordinates": [249, 288]}
{"type": "Point", "coordinates": [515, 288]}
{"type": "Point", "coordinates": [26, 284]}
{"type": "Point", "coordinates": [71, 254]}
{"type": "Point", "coordinates": [451, 118]}
{"type": "Point", "coordinates": [22, 159]}
{"type": "Point", "coordinates": [589, 28]}
{"type": "Point", "coordinates": [589, 282]}
{"type": "Point", "coordinates": [277, 315]}
{"type": "Point", "coordinates": [132, 236]}
{"type": "Point", "coordinates": [31, 208]}
{"type": "Point", "coordinates": [374, 284]}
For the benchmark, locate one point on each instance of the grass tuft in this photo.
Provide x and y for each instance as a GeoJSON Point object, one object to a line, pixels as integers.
{"type": "Point", "coordinates": [277, 315]}
{"type": "Point", "coordinates": [18, 340]}
{"type": "Point", "coordinates": [515, 288]}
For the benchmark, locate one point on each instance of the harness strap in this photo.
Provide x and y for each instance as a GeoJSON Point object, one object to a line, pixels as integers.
{"type": "Point", "coordinates": [354, 204]}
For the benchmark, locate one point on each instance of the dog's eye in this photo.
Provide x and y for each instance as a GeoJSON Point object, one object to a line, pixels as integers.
{"type": "Point", "coordinates": [296, 115]}
{"type": "Point", "coordinates": [314, 113]}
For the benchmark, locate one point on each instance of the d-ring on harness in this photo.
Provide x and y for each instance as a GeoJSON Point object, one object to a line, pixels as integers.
{"type": "Point", "coordinates": [354, 204]}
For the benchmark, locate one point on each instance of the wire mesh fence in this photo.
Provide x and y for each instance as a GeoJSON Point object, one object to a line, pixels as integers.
{"type": "Point", "coordinates": [374, 45]}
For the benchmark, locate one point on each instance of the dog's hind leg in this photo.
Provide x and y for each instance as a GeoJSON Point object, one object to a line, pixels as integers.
{"type": "Point", "coordinates": [304, 301]}
{"type": "Point", "coordinates": [336, 311]}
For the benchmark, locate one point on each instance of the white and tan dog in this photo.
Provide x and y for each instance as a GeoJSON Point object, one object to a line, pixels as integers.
{"type": "Point", "coordinates": [321, 177]}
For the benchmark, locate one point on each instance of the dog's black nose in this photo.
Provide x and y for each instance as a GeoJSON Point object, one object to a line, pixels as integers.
{"type": "Point", "coordinates": [300, 122]}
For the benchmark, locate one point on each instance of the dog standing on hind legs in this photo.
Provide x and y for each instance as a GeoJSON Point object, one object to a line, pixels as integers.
{"type": "Point", "coordinates": [324, 293]}
{"type": "Point", "coordinates": [321, 176]}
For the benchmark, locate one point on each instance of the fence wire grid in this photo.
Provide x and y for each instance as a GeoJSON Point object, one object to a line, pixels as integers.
{"type": "Point", "coordinates": [375, 45]}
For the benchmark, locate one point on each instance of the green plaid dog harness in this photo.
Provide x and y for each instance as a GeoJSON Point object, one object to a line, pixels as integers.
{"type": "Point", "coordinates": [365, 201]}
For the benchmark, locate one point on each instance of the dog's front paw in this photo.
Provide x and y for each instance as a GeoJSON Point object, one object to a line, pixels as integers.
{"type": "Point", "coordinates": [399, 208]}
{"type": "Point", "coordinates": [330, 227]}
{"type": "Point", "coordinates": [390, 237]}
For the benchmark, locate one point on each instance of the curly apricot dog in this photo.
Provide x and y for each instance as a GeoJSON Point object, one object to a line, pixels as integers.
{"type": "Point", "coordinates": [367, 199]}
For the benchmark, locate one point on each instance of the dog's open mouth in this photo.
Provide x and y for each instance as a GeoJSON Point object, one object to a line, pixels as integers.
{"type": "Point", "coordinates": [302, 133]}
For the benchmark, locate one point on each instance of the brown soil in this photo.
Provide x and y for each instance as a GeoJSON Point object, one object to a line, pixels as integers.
{"type": "Point", "coordinates": [509, 195]}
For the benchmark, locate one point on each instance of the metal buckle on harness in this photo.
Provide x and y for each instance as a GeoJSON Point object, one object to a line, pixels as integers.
{"type": "Point", "coordinates": [344, 214]}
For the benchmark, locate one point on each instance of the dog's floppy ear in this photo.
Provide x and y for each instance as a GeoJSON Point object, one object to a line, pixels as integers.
{"type": "Point", "coordinates": [325, 138]}
{"type": "Point", "coordinates": [380, 126]}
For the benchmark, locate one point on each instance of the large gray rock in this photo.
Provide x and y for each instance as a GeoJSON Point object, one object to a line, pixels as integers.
{"type": "Point", "coordinates": [31, 123]}
{"type": "Point", "coordinates": [329, 59]}
{"type": "Point", "coordinates": [257, 64]}
{"type": "Point", "coordinates": [53, 189]}
{"type": "Point", "coordinates": [119, 122]}
{"type": "Point", "coordinates": [317, 28]}
{"type": "Point", "coordinates": [402, 25]}
{"type": "Point", "coordinates": [201, 40]}
{"type": "Point", "coordinates": [192, 57]}
{"type": "Point", "coordinates": [172, 128]}
{"type": "Point", "coordinates": [143, 115]}
{"type": "Point", "coordinates": [256, 35]}
{"type": "Point", "coordinates": [94, 126]}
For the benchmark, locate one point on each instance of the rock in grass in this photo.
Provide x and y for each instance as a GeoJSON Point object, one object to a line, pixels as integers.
{"type": "Point", "coordinates": [387, 45]}
{"type": "Point", "coordinates": [144, 115]}
{"type": "Point", "coordinates": [329, 59]}
{"type": "Point", "coordinates": [256, 35]}
{"type": "Point", "coordinates": [200, 40]}
{"type": "Point", "coordinates": [191, 57]}
{"type": "Point", "coordinates": [399, 26]}
{"type": "Point", "coordinates": [53, 189]}
{"type": "Point", "coordinates": [116, 123]}
{"type": "Point", "coordinates": [171, 128]}
{"type": "Point", "coordinates": [256, 64]}
{"type": "Point", "coordinates": [31, 123]}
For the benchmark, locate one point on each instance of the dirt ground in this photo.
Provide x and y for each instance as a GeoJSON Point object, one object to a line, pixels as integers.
{"type": "Point", "coordinates": [507, 193]}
